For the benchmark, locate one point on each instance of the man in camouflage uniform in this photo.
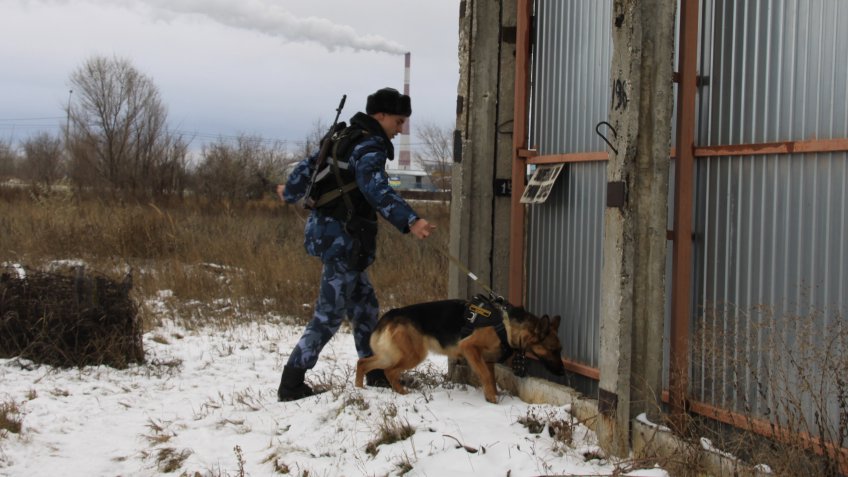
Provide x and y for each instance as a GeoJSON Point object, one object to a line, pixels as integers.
{"type": "Point", "coordinates": [343, 234]}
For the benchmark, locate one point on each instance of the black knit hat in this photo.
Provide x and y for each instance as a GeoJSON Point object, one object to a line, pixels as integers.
{"type": "Point", "coordinates": [390, 101]}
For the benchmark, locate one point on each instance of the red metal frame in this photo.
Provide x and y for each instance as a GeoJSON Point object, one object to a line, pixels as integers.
{"type": "Point", "coordinates": [582, 369]}
{"type": "Point", "coordinates": [770, 430]}
{"type": "Point", "coordinates": [781, 147]}
{"type": "Point", "coordinates": [570, 158]}
{"type": "Point", "coordinates": [524, 12]}
{"type": "Point", "coordinates": [735, 150]}
{"type": "Point", "coordinates": [681, 268]}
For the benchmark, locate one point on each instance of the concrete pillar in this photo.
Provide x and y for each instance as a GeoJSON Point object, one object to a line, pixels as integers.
{"type": "Point", "coordinates": [480, 218]}
{"type": "Point", "coordinates": [635, 219]}
{"type": "Point", "coordinates": [503, 149]}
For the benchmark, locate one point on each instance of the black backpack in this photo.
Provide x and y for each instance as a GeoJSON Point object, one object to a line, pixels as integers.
{"type": "Point", "coordinates": [334, 179]}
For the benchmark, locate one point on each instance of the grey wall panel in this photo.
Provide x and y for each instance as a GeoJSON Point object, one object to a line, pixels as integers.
{"type": "Point", "coordinates": [564, 257]}
{"type": "Point", "coordinates": [570, 75]}
{"type": "Point", "coordinates": [776, 71]}
{"type": "Point", "coordinates": [770, 259]}
{"type": "Point", "coordinates": [770, 277]}
{"type": "Point", "coordinates": [569, 96]}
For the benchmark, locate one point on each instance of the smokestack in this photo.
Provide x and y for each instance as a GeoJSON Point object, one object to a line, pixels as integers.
{"type": "Point", "coordinates": [404, 160]}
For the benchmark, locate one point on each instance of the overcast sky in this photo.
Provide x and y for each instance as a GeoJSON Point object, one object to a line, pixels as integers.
{"type": "Point", "coordinates": [230, 67]}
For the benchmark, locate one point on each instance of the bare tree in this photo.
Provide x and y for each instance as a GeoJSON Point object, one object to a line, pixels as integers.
{"type": "Point", "coordinates": [118, 136]}
{"type": "Point", "coordinates": [436, 153]}
{"type": "Point", "coordinates": [168, 166]}
{"type": "Point", "coordinates": [8, 160]}
{"type": "Point", "coordinates": [240, 171]}
{"type": "Point", "coordinates": [312, 141]}
{"type": "Point", "coordinates": [43, 158]}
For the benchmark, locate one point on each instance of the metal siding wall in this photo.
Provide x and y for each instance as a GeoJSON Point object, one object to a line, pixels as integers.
{"type": "Point", "coordinates": [570, 75]}
{"type": "Point", "coordinates": [770, 259]}
{"type": "Point", "coordinates": [569, 96]}
{"type": "Point", "coordinates": [564, 258]}
{"type": "Point", "coordinates": [776, 71]}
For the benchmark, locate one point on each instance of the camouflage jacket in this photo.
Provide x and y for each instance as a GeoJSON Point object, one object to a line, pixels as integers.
{"type": "Point", "coordinates": [325, 236]}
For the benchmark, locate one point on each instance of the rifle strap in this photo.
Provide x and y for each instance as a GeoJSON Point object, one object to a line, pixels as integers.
{"type": "Point", "coordinates": [340, 183]}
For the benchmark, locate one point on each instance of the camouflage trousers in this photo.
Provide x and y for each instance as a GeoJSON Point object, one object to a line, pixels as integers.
{"type": "Point", "coordinates": [344, 293]}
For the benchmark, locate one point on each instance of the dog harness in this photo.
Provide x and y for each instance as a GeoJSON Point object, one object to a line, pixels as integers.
{"type": "Point", "coordinates": [482, 312]}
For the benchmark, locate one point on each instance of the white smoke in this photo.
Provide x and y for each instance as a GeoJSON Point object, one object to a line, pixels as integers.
{"type": "Point", "coordinates": [264, 17]}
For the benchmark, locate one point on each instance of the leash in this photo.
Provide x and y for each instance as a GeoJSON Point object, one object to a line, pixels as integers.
{"type": "Point", "coordinates": [519, 360]}
{"type": "Point", "coordinates": [461, 266]}
{"type": "Point", "coordinates": [480, 307]}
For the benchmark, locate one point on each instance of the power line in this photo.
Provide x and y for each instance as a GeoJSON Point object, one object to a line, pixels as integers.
{"type": "Point", "coordinates": [32, 119]}
{"type": "Point", "coordinates": [181, 132]}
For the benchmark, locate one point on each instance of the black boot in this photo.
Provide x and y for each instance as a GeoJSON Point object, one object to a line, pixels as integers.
{"type": "Point", "coordinates": [377, 378]}
{"type": "Point", "coordinates": [292, 386]}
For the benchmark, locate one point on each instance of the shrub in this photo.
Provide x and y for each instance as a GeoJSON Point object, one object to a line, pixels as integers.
{"type": "Point", "coordinates": [68, 320]}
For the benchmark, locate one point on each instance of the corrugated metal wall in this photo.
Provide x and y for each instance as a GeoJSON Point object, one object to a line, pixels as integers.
{"type": "Point", "coordinates": [564, 258]}
{"type": "Point", "coordinates": [570, 85]}
{"type": "Point", "coordinates": [770, 249]}
{"type": "Point", "coordinates": [771, 264]}
{"type": "Point", "coordinates": [776, 70]}
{"type": "Point", "coordinates": [570, 77]}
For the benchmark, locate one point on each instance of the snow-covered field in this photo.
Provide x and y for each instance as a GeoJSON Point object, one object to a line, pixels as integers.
{"type": "Point", "coordinates": [205, 404]}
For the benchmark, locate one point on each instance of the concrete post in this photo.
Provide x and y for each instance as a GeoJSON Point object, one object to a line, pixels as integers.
{"type": "Point", "coordinates": [635, 219]}
{"type": "Point", "coordinates": [503, 148]}
{"type": "Point", "coordinates": [479, 218]}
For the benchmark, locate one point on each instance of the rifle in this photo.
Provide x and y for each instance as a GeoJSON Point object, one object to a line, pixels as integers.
{"type": "Point", "coordinates": [309, 202]}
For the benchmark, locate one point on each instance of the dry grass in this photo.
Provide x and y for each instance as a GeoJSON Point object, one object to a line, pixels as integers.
{"type": "Point", "coordinates": [169, 459]}
{"type": "Point", "coordinates": [559, 428]}
{"type": "Point", "coordinates": [390, 430]}
{"type": "Point", "coordinates": [11, 419]}
{"type": "Point", "coordinates": [250, 256]}
{"type": "Point", "coordinates": [792, 393]}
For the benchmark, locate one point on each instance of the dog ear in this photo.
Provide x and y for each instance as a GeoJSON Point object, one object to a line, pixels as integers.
{"type": "Point", "coordinates": [543, 325]}
{"type": "Point", "coordinates": [555, 322]}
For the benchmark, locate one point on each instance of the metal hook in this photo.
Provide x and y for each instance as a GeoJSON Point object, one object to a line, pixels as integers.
{"type": "Point", "coordinates": [614, 133]}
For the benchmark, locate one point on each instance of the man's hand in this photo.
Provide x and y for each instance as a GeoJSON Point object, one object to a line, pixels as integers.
{"type": "Point", "coordinates": [280, 189]}
{"type": "Point", "coordinates": [421, 228]}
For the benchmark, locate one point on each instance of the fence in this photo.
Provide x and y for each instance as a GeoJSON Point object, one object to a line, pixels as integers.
{"type": "Point", "coordinates": [769, 268]}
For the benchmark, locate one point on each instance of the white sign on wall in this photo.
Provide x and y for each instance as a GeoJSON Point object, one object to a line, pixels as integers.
{"type": "Point", "coordinates": [540, 185]}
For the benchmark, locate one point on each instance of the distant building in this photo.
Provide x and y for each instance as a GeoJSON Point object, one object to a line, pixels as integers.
{"type": "Point", "coordinates": [410, 180]}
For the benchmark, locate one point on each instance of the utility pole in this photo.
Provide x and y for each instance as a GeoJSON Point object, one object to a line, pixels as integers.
{"type": "Point", "coordinates": [68, 120]}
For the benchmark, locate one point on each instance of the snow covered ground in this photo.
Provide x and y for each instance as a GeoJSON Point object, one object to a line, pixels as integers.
{"type": "Point", "coordinates": [205, 404]}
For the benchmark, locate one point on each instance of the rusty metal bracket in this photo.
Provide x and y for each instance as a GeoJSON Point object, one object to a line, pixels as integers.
{"type": "Point", "coordinates": [607, 402]}
{"type": "Point", "coordinates": [616, 194]}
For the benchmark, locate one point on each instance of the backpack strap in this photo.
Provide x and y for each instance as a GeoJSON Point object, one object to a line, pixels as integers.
{"type": "Point", "coordinates": [340, 183]}
{"type": "Point", "coordinates": [335, 193]}
{"type": "Point", "coordinates": [342, 147]}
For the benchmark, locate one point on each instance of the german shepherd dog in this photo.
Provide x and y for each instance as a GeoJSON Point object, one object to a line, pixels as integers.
{"type": "Point", "coordinates": [404, 336]}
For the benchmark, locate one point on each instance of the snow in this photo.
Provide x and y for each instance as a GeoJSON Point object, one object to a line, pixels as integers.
{"type": "Point", "coordinates": [708, 446]}
{"type": "Point", "coordinates": [209, 396]}
{"type": "Point", "coordinates": [643, 418]}
{"type": "Point", "coordinates": [15, 268]}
